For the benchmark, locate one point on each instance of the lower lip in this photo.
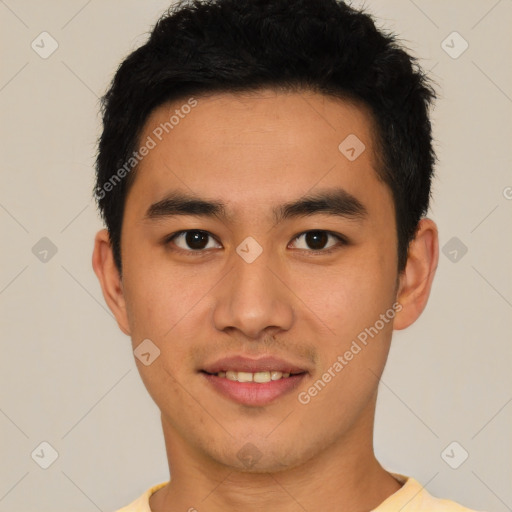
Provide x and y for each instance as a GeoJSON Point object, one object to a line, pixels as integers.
{"type": "Point", "coordinates": [253, 393]}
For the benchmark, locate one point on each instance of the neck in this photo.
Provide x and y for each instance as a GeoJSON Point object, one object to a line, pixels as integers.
{"type": "Point", "coordinates": [346, 474]}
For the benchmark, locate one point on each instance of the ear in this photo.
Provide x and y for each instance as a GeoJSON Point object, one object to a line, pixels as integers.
{"type": "Point", "coordinates": [109, 278]}
{"type": "Point", "coordinates": [415, 281]}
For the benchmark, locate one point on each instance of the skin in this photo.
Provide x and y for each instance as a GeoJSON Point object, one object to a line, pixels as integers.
{"type": "Point", "coordinates": [253, 152]}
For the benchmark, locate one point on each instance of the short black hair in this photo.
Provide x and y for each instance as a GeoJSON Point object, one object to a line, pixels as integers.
{"type": "Point", "coordinates": [325, 46]}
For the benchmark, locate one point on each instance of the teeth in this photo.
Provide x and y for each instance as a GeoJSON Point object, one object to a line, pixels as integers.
{"type": "Point", "coordinates": [244, 377]}
{"type": "Point", "coordinates": [260, 377]}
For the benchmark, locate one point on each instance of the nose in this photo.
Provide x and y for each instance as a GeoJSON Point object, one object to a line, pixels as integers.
{"type": "Point", "coordinates": [253, 299]}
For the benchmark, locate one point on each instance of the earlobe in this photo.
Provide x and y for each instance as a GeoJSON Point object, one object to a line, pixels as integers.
{"type": "Point", "coordinates": [109, 278]}
{"type": "Point", "coordinates": [416, 280]}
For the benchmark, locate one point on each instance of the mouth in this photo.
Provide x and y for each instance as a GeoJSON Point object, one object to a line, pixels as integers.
{"type": "Point", "coordinates": [257, 377]}
{"type": "Point", "coordinates": [253, 382]}
{"type": "Point", "coordinates": [259, 391]}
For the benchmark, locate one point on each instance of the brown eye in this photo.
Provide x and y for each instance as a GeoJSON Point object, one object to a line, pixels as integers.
{"type": "Point", "coordinates": [192, 240]}
{"type": "Point", "coordinates": [317, 240]}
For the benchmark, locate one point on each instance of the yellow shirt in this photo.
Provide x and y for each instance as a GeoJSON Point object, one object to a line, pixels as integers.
{"type": "Point", "coordinates": [412, 497]}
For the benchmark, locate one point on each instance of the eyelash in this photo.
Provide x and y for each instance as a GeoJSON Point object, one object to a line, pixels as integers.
{"type": "Point", "coordinates": [342, 241]}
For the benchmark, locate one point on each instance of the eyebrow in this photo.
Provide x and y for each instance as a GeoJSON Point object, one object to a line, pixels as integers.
{"type": "Point", "coordinates": [337, 202]}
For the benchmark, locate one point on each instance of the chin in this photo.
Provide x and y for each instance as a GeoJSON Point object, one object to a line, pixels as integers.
{"type": "Point", "coordinates": [258, 456]}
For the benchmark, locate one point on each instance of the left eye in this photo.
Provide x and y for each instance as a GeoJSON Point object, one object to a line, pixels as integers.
{"type": "Point", "coordinates": [195, 240]}
{"type": "Point", "coordinates": [317, 240]}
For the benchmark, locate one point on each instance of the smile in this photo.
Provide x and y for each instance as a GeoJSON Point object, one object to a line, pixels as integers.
{"type": "Point", "coordinates": [254, 389]}
{"type": "Point", "coordinates": [259, 377]}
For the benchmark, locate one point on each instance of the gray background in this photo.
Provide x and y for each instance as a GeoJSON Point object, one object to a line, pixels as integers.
{"type": "Point", "coordinates": [68, 375]}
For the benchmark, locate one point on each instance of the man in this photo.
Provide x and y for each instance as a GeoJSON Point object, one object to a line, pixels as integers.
{"type": "Point", "coordinates": [264, 174]}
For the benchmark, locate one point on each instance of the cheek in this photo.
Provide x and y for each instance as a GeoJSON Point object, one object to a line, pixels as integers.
{"type": "Point", "coordinates": [160, 305]}
{"type": "Point", "coordinates": [159, 297]}
{"type": "Point", "coordinates": [350, 295]}
{"type": "Point", "coordinates": [351, 359]}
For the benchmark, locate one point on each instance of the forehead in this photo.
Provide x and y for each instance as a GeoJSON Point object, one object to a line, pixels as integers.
{"type": "Point", "coordinates": [257, 147]}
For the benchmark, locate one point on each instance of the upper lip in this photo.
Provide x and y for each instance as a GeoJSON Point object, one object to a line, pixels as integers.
{"type": "Point", "coordinates": [245, 364]}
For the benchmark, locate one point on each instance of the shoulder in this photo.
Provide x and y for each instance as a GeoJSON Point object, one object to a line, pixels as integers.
{"type": "Point", "coordinates": [413, 497]}
{"type": "Point", "coordinates": [141, 504]}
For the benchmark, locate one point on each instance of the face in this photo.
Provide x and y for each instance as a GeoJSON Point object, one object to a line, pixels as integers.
{"type": "Point", "coordinates": [254, 246]}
